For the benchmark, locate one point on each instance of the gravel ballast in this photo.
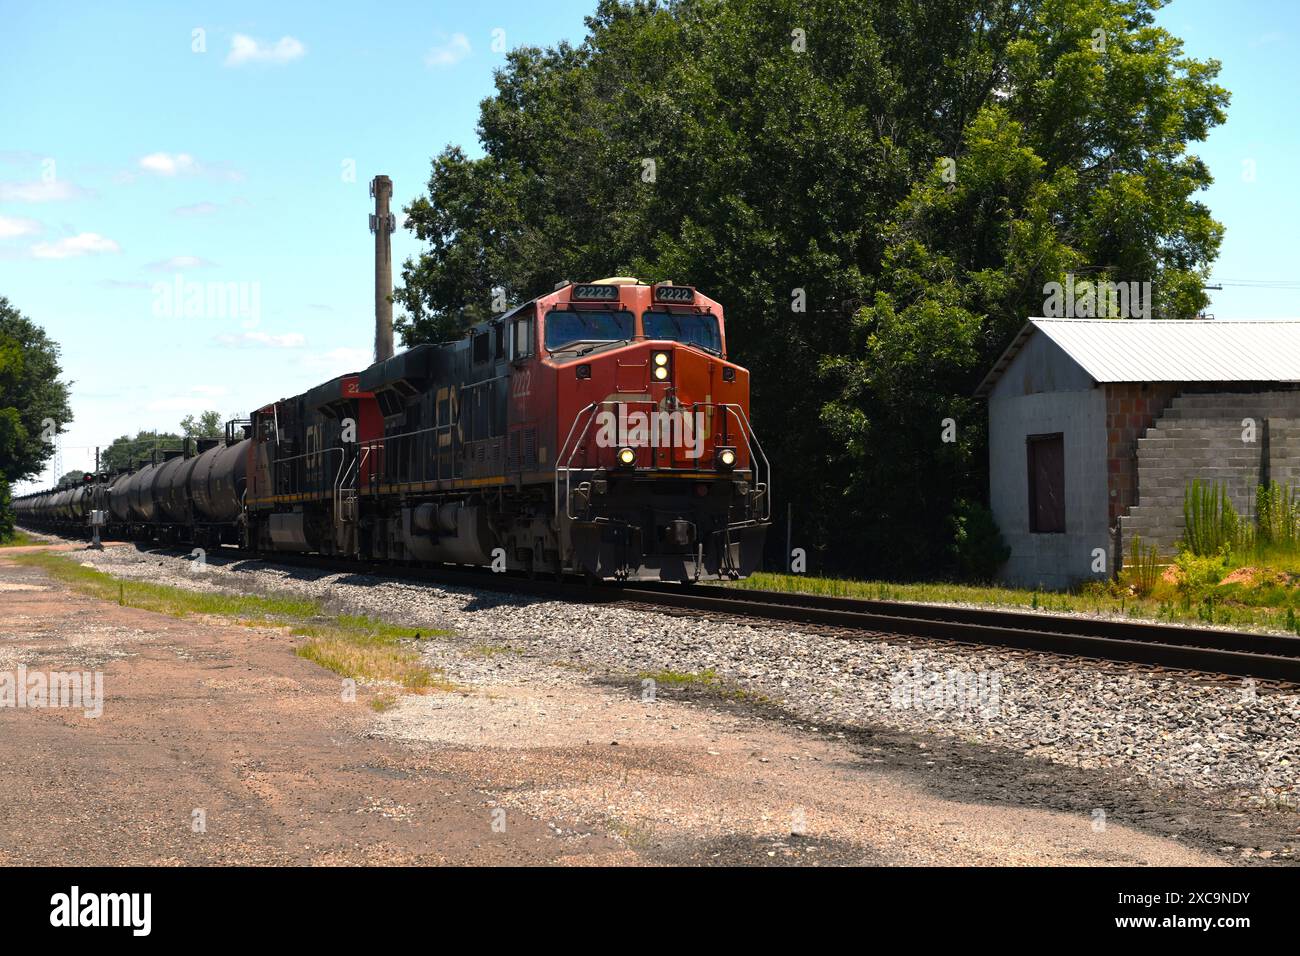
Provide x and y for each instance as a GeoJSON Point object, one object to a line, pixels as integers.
{"type": "Point", "coordinates": [1167, 729]}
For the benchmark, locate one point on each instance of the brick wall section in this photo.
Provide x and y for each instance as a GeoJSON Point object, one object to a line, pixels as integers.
{"type": "Point", "coordinates": [1131, 408]}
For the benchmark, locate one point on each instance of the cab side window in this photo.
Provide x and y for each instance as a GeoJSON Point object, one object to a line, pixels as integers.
{"type": "Point", "coordinates": [522, 338]}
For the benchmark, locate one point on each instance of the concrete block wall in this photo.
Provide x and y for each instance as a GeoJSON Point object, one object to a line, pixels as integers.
{"type": "Point", "coordinates": [1284, 450]}
{"type": "Point", "coordinates": [1200, 436]}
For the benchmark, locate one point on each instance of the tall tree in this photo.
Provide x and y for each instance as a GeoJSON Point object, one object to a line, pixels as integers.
{"type": "Point", "coordinates": [207, 425]}
{"type": "Point", "coordinates": [126, 452]}
{"type": "Point", "coordinates": [33, 402]}
{"type": "Point", "coordinates": [876, 190]}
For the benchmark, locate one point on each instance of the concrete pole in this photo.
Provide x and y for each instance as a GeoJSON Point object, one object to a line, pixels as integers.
{"type": "Point", "coordinates": [382, 224]}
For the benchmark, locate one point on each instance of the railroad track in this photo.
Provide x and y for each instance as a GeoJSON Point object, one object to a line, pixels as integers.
{"type": "Point", "coordinates": [1209, 650]}
{"type": "Point", "coordinates": [1265, 657]}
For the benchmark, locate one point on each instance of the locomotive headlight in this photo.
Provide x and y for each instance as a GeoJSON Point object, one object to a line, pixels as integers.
{"type": "Point", "coordinates": [626, 457]}
{"type": "Point", "coordinates": [726, 458]}
{"type": "Point", "coordinates": [661, 372]}
{"type": "Point", "coordinates": [661, 358]}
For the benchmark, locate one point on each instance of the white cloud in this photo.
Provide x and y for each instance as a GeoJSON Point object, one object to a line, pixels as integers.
{"type": "Point", "coordinates": [86, 243]}
{"type": "Point", "coordinates": [197, 209]}
{"type": "Point", "coordinates": [11, 226]}
{"type": "Point", "coordinates": [339, 361]}
{"type": "Point", "coordinates": [450, 53]}
{"type": "Point", "coordinates": [54, 190]}
{"type": "Point", "coordinates": [246, 49]}
{"type": "Point", "coordinates": [181, 164]}
{"type": "Point", "coordinates": [198, 400]}
{"type": "Point", "coordinates": [290, 340]}
{"type": "Point", "coordinates": [179, 262]}
{"type": "Point", "coordinates": [169, 164]}
{"type": "Point", "coordinates": [123, 284]}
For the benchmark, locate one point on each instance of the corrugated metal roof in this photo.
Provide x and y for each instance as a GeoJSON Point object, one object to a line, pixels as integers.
{"type": "Point", "coordinates": [1162, 350]}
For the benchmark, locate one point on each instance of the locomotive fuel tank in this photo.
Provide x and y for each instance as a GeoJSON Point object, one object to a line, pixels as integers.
{"type": "Point", "coordinates": [454, 532]}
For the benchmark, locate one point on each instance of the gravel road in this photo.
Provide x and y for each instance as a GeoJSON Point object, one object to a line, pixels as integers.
{"type": "Point", "coordinates": [1229, 738]}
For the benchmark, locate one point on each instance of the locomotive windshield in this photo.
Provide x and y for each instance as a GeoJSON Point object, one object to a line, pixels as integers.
{"type": "Point", "coordinates": [566, 329]}
{"type": "Point", "coordinates": [689, 329]}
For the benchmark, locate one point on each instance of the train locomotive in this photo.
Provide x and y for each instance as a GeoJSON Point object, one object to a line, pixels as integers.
{"type": "Point", "coordinates": [597, 430]}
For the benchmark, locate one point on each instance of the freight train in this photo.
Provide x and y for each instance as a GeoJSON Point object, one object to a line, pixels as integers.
{"type": "Point", "coordinates": [597, 430]}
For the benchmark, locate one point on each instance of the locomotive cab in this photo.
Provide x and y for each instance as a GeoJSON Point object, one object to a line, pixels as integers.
{"type": "Point", "coordinates": [658, 474]}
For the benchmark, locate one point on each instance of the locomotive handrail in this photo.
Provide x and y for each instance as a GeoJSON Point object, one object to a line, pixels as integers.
{"type": "Point", "coordinates": [284, 461]}
{"type": "Point", "coordinates": [381, 442]}
{"type": "Point", "coordinates": [751, 440]}
{"type": "Point", "coordinates": [565, 467]}
{"type": "Point", "coordinates": [361, 462]}
{"type": "Point", "coordinates": [307, 454]}
{"type": "Point", "coordinates": [339, 478]}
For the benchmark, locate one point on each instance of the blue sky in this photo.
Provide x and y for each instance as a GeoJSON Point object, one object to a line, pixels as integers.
{"type": "Point", "coordinates": [128, 158]}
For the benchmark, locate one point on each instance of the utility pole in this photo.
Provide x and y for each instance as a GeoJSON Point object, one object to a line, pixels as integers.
{"type": "Point", "coordinates": [96, 506]}
{"type": "Point", "coordinates": [383, 224]}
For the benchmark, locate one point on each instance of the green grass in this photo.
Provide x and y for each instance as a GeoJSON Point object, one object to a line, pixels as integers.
{"type": "Point", "coordinates": [705, 678]}
{"type": "Point", "coordinates": [19, 539]}
{"type": "Point", "coordinates": [359, 647]}
{"type": "Point", "coordinates": [1272, 601]}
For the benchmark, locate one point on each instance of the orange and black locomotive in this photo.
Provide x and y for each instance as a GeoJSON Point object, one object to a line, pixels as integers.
{"type": "Point", "coordinates": [599, 430]}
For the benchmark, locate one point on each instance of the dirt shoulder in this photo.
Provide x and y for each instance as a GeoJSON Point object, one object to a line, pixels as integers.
{"type": "Point", "coordinates": [529, 767]}
{"type": "Point", "coordinates": [224, 720]}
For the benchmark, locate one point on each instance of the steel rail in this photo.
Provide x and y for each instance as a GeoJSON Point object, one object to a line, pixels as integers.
{"type": "Point", "coordinates": [1268, 657]}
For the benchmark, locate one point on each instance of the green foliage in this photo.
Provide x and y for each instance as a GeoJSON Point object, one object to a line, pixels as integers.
{"type": "Point", "coordinates": [1211, 525]}
{"type": "Point", "coordinates": [126, 451]}
{"type": "Point", "coordinates": [1200, 573]}
{"type": "Point", "coordinates": [6, 513]}
{"type": "Point", "coordinates": [1277, 519]}
{"type": "Point", "coordinates": [33, 402]}
{"type": "Point", "coordinates": [977, 544]}
{"type": "Point", "coordinates": [207, 425]}
{"type": "Point", "coordinates": [72, 477]}
{"type": "Point", "coordinates": [1268, 601]}
{"type": "Point", "coordinates": [1145, 565]}
{"type": "Point", "coordinates": [823, 170]}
